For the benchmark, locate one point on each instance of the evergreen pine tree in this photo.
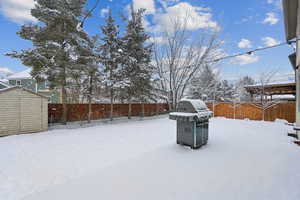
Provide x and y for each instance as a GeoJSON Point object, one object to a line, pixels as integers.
{"type": "Point", "coordinates": [241, 92]}
{"type": "Point", "coordinates": [111, 54]}
{"type": "Point", "coordinates": [88, 61]}
{"type": "Point", "coordinates": [204, 85]}
{"type": "Point", "coordinates": [226, 91]}
{"type": "Point", "coordinates": [137, 60]}
{"type": "Point", "coordinates": [55, 40]}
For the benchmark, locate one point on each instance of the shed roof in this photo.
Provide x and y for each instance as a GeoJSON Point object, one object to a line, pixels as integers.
{"type": "Point", "coordinates": [16, 87]}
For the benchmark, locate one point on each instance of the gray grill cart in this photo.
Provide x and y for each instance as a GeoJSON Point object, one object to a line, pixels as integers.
{"type": "Point", "coordinates": [192, 123]}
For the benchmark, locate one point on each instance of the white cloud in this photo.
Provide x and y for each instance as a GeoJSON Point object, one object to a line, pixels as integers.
{"type": "Point", "coordinates": [194, 17]}
{"type": "Point", "coordinates": [167, 3]}
{"type": "Point", "coordinates": [276, 3]}
{"type": "Point", "coordinates": [244, 43]}
{"type": "Point", "coordinates": [268, 41]}
{"type": "Point", "coordinates": [17, 11]}
{"type": "Point", "coordinates": [244, 20]}
{"type": "Point", "coordinates": [158, 40]}
{"type": "Point", "coordinates": [244, 59]}
{"type": "Point", "coordinates": [104, 12]}
{"type": "Point", "coordinates": [149, 5]}
{"type": "Point", "coordinates": [271, 18]}
{"type": "Point", "coordinates": [4, 72]}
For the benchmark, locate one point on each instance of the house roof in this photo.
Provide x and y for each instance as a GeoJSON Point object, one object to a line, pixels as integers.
{"type": "Point", "coordinates": [16, 87]}
{"type": "Point", "coordinates": [290, 8]}
{"type": "Point", "coordinates": [4, 83]}
{"type": "Point", "coordinates": [21, 75]}
{"type": "Point", "coordinates": [4, 80]}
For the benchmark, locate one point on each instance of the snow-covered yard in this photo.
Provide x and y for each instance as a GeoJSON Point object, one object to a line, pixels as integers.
{"type": "Point", "coordinates": [141, 160]}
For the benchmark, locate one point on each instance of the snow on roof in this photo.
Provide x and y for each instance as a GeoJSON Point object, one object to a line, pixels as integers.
{"type": "Point", "coordinates": [287, 96]}
{"type": "Point", "coordinates": [24, 89]}
{"type": "Point", "coordinates": [273, 83]}
{"type": "Point", "coordinates": [21, 75]}
{"type": "Point", "coordinates": [4, 80]}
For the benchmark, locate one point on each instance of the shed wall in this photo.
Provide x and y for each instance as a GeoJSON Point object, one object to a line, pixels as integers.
{"type": "Point", "coordinates": [22, 112]}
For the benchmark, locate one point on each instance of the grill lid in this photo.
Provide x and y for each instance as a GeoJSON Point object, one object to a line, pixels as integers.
{"type": "Point", "coordinates": [197, 104]}
{"type": "Point", "coordinates": [191, 109]}
{"type": "Point", "coordinates": [191, 106]}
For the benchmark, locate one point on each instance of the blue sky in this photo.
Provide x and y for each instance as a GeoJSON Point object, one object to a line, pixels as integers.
{"type": "Point", "coordinates": [244, 25]}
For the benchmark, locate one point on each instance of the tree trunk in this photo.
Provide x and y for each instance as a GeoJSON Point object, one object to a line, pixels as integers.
{"type": "Point", "coordinates": [170, 106]}
{"type": "Point", "coordinates": [64, 104]}
{"type": "Point", "coordinates": [213, 108]}
{"type": "Point", "coordinates": [129, 109]}
{"type": "Point", "coordinates": [111, 104]}
{"type": "Point", "coordinates": [143, 110]}
{"type": "Point", "coordinates": [171, 103]}
{"type": "Point", "coordinates": [90, 99]}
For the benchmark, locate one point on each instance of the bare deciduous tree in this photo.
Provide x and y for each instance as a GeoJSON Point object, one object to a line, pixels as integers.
{"type": "Point", "coordinates": [264, 79]}
{"type": "Point", "coordinates": [179, 55]}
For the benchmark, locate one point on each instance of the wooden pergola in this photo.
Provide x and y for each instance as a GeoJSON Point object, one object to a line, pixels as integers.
{"type": "Point", "coordinates": [271, 89]}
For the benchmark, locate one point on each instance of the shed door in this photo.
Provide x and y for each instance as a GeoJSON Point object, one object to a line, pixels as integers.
{"type": "Point", "coordinates": [31, 113]}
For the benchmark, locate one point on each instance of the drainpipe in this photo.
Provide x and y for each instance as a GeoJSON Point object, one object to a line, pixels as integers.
{"type": "Point", "coordinates": [298, 75]}
{"type": "Point", "coordinates": [298, 72]}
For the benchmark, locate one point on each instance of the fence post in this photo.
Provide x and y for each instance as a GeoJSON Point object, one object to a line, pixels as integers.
{"type": "Point", "coordinates": [143, 110]}
{"type": "Point", "coordinates": [129, 110]}
{"type": "Point", "coordinates": [213, 105]}
{"type": "Point", "coordinates": [234, 110]}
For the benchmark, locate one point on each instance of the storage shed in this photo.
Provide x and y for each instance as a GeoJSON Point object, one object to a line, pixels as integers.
{"type": "Point", "coordinates": [22, 111]}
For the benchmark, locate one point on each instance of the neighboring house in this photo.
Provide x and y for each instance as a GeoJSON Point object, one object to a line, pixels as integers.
{"type": "Point", "coordinates": [4, 84]}
{"type": "Point", "coordinates": [23, 79]}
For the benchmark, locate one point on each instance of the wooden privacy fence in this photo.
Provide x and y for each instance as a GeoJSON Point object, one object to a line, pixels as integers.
{"type": "Point", "coordinates": [252, 111]}
{"type": "Point", "coordinates": [79, 112]}
{"type": "Point", "coordinates": [255, 111]}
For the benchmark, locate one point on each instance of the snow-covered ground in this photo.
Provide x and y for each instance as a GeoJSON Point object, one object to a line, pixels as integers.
{"type": "Point", "coordinates": [141, 160]}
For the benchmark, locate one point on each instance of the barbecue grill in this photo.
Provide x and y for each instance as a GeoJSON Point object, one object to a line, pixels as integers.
{"type": "Point", "coordinates": [192, 123]}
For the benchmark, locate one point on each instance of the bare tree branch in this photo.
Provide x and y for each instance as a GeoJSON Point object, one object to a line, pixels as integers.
{"type": "Point", "coordinates": [180, 57]}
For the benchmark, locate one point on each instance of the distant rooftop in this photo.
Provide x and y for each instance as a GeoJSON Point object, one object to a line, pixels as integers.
{"type": "Point", "coordinates": [20, 75]}
{"type": "Point", "coordinates": [275, 83]}
{"type": "Point", "coordinates": [274, 88]}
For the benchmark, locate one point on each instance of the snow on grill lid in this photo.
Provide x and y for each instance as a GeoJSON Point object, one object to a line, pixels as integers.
{"type": "Point", "coordinates": [197, 105]}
